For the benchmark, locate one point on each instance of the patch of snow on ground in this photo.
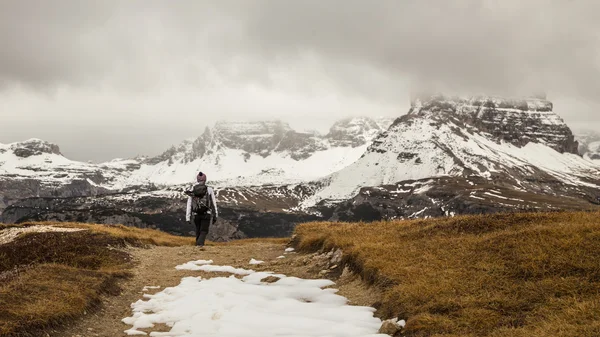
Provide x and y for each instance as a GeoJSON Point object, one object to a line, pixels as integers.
{"type": "Point", "coordinates": [289, 249]}
{"type": "Point", "coordinates": [228, 306]}
{"type": "Point", "coordinates": [476, 197]}
{"type": "Point", "coordinates": [253, 261]}
{"type": "Point", "coordinates": [234, 167]}
{"type": "Point", "coordinates": [146, 288]}
{"type": "Point", "coordinates": [193, 265]}
{"type": "Point", "coordinates": [496, 196]}
{"type": "Point", "coordinates": [211, 268]}
{"type": "Point", "coordinates": [416, 214]}
{"type": "Point", "coordinates": [9, 234]}
{"type": "Point", "coordinates": [422, 189]}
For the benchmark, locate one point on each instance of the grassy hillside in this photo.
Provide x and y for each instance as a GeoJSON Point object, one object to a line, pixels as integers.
{"type": "Point", "coordinates": [495, 275]}
{"type": "Point", "coordinates": [53, 277]}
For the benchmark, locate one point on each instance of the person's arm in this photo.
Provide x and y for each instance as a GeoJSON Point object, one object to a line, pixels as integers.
{"type": "Point", "coordinates": [188, 211]}
{"type": "Point", "coordinates": [213, 203]}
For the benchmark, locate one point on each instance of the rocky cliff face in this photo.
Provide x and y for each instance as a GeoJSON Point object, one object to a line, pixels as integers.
{"type": "Point", "coordinates": [516, 121]}
{"type": "Point", "coordinates": [516, 143]}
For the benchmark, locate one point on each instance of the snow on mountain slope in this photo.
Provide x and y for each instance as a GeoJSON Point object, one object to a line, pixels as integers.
{"type": "Point", "coordinates": [234, 167]}
{"type": "Point", "coordinates": [589, 144]}
{"type": "Point", "coordinates": [445, 136]}
{"type": "Point", "coordinates": [39, 159]}
{"type": "Point", "coordinates": [232, 153]}
{"type": "Point", "coordinates": [355, 131]}
{"type": "Point", "coordinates": [257, 153]}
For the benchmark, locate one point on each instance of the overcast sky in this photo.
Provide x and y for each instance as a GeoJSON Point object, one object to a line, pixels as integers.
{"type": "Point", "coordinates": [112, 78]}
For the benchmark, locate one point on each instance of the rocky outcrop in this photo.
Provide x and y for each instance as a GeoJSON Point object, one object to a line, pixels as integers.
{"type": "Point", "coordinates": [14, 190]}
{"type": "Point", "coordinates": [449, 196]}
{"type": "Point", "coordinates": [516, 121]}
{"type": "Point", "coordinates": [33, 147]}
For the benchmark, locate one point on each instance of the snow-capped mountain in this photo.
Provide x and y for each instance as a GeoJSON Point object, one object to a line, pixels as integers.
{"type": "Point", "coordinates": [43, 161]}
{"type": "Point", "coordinates": [279, 161]}
{"type": "Point", "coordinates": [517, 143]}
{"type": "Point", "coordinates": [232, 153]}
{"type": "Point", "coordinates": [589, 144]}
{"type": "Point", "coordinates": [447, 155]}
{"type": "Point", "coordinates": [258, 153]}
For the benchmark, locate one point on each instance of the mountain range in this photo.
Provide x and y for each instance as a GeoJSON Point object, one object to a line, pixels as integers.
{"type": "Point", "coordinates": [447, 155]}
{"type": "Point", "coordinates": [242, 160]}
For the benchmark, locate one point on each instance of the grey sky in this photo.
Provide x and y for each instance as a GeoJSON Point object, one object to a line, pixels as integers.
{"type": "Point", "coordinates": [111, 78]}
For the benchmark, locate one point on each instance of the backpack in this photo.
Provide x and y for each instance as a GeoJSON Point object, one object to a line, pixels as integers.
{"type": "Point", "coordinates": [200, 199]}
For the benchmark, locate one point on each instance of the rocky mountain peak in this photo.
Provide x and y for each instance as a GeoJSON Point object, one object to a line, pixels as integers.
{"type": "Point", "coordinates": [252, 137]}
{"type": "Point", "coordinates": [514, 120]}
{"type": "Point", "coordinates": [31, 147]}
{"type": "Point", "coordinates": [254, 128]}
{"type": "Point", "coordinates": [356, 131]}
{"type": "Point", "coordinates": [263, 138]}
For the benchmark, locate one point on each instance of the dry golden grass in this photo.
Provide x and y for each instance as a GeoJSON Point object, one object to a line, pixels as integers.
{"type": "Point", "coordinates": [53, 277]}
{"type": "Point", "coordinates": [50, 294]}
{"type": "Point", "coordinates": [4, 226]}
{"type": "Point", "coordinates": [241, 242]}
{"type": "Point", "coordinates": [144, 235]}
{"type": "Point", "coordinates": [130, 234]}
{"type": "Point", "coordinates": [494, 275]}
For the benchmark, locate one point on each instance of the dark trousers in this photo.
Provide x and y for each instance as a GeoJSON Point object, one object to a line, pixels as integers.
{"type": "Point", "coordinates": [202, 222]}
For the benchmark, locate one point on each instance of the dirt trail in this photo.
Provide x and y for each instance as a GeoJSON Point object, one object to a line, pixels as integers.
{"type": "Point", "coordinates": [156, 267]}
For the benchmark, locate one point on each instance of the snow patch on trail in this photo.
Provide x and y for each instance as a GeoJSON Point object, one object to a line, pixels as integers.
{"type": "Point", "coordinates": [147, 288]}
{"type": "Point", "coordinates": [244, 307]}
{"type": "Point", "coordinates": [206, 266]}
{"type": "Point", "coordinates": [10, 234]}
{"type": "Point", "coordinates": [193, 265]}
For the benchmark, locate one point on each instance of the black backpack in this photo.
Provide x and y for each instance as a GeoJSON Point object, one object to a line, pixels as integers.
{"type": "Point", "coordinates": [200, 199]}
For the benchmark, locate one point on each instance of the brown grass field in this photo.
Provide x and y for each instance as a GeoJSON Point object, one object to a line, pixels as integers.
{"type": "Point", "coordinates": [50, 278]}
{"type": "Point", "coordinates": [47, 279]}
{"type": "Point", "coordinates": [494, 275]}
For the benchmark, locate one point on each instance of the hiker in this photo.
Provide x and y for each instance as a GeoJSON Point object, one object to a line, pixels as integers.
{"type": "Point", "coordinates": [202, 203]}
